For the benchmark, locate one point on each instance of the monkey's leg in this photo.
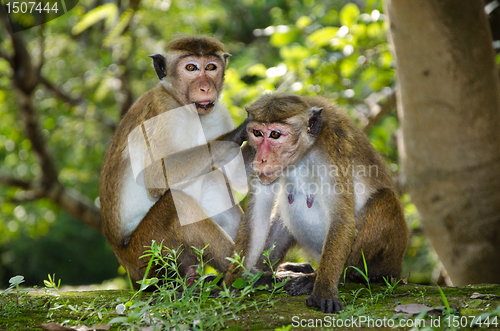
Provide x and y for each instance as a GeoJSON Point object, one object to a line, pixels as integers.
{"type": "Point", "coordinates": [280, 240]}
{"type": "Point", "coordinates": [336, 249]}
{"type": "Point", "coordinates": [383, 238]}
{"type": "Point", "coordinates": [161, 224]}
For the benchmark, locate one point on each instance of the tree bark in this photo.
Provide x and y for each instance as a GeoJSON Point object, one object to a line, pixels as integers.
{"type": "Point", "coordinates": [449, 107]}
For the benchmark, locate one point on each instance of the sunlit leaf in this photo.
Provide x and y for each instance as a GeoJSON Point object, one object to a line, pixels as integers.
{"type": "Point", "coordinates": [240, 283]}
{"type": "Point", "coordinates": [120, 27]}
{"type": "Point", "coordinates": [257, 70]}
{"type": "Point", "coordinates": [349, 14]}
{"type": "Point", "coordinates": [108, 11]}
{"type": "Point", "coordinates": [295, 52]}
{"type": "Point", "coordinates": [303, 22]}
{"type": "Point", "coordinates": [322, 37]}
{"type": "Point", "coordinates": [280, 39]}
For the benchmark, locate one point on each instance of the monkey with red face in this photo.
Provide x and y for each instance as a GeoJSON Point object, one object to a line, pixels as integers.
{"type": "Point", "coordinates": [133, 213]}
{"type": "Point", "coordinates": [317, 182]}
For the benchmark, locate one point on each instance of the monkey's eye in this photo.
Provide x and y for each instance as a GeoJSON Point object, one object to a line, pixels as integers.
{"type": "Point", "coordinates": [191, 67]}
{"type": "Point", "coordinates": [257, 133]}
{"type": "Point", "coordinates": [275, 134]}
{"type": "Point", "coordinates": [211, 67]}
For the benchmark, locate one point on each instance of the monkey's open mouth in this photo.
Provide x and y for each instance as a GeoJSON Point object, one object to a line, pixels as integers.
{"type": "Point", "coordinates": [205, 106]}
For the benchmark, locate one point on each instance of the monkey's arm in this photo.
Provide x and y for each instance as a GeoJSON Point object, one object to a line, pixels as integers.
{"type": "Point", "coordinates": [238, 135]}
{"type": "Point", "coordinates": [336, 249]}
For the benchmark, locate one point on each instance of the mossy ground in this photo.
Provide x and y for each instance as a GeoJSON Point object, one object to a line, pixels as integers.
{"type": "Point", "coordinates": [28, 310]}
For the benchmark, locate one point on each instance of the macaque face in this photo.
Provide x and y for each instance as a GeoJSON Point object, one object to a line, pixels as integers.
{"type": "Point", "coordinates": [199, 81]}
{"type": "Point", "coordinates": [276, 145]}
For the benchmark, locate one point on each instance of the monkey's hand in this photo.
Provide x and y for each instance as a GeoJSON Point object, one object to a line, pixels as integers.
{"type": "Point", "coordinates": [238, 135]}
{"type": "Point", "coordinates": [326, 305]}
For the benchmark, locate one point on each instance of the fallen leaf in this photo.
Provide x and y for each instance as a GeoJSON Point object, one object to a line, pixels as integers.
{"type": "Point", "coordinates": [477, 295]}
{"type": "Point", "coordinates": [475, 303]}
{"type": "Point", "coordinates": [413, 309]}
{"type": "Point", "coordinates": [55, 327]}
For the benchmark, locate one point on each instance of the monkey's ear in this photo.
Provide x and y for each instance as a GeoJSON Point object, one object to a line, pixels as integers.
{"type": "Point", "coordinates": [160, 65]}
{"type": "Point", "coordinates": [225, 56]}
{"type": "Point", "coordinates": [246, 109]}
{"type": "Point", "coordinates": [314, 121]}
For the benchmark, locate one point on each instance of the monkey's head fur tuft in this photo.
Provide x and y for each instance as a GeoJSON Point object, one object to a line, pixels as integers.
{"type": "Point", "coordinates": [276, 107]}
{"type": "Point", "coordinates": [200, 46]}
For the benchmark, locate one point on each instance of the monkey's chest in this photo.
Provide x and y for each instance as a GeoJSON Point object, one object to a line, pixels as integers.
{"type": "Point", "coordinates": [304, 209]}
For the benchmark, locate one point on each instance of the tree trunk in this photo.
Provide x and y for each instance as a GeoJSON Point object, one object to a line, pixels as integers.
{"type": "Point", "coordinates": [449, 107]}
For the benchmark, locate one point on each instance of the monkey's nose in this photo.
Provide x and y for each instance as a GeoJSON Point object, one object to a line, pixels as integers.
{"type": "Point", "coordinates": [205, 89]}
{"type": "Point", "coordinates": [264, 160]}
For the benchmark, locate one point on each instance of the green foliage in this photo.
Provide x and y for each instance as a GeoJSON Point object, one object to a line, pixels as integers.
{"type": "Point", "coordinates": [364, 274]}
{"type": "Point", "coordinates": [51, 282]}
{"type": "Point", "coordinates": [391, 285]}
{"type": "Point", "coordinates": [445, 300]}
{"type": "Point", "coordinates": [108, 12]}
{"type": "Point", "coordinates": [14, 284]}
{"type": "Point", "coordinates": [183, 302]}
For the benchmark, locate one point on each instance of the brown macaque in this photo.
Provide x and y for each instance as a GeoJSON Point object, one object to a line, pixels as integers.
{"type": "Point", "coordinates": [317, 182]}
{"type": "Point", "coordinates": [139, 208]}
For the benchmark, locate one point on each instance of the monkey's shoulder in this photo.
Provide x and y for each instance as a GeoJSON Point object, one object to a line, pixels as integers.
{"type": "Point", "coordinates": [341, 144]}
{"type": "Point", "coordinates": [152, 103]}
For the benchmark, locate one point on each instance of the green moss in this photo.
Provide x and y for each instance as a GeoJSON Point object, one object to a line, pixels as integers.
{"type": "Point", "coordinates": [33, 308]}
{"type": "Point", "coordinates": [36, 307]}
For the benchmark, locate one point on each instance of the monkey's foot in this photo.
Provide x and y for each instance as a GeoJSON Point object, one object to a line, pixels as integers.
{"type": "Point", "coordinates": [300, 284]}
{"type": "Point", "coordinates": [326, 305]}
{"type": "Point", "coordinates": [304, 268]}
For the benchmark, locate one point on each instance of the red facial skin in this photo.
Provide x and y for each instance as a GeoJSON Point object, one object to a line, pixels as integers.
{"type": "Point", "coordinates": [273, 144]}
{"type": "Point", "coordinates": [202, 78]}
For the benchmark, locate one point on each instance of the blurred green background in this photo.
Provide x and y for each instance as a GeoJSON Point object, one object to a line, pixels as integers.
{"type": "Point", "coordinates": [94, 63]}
